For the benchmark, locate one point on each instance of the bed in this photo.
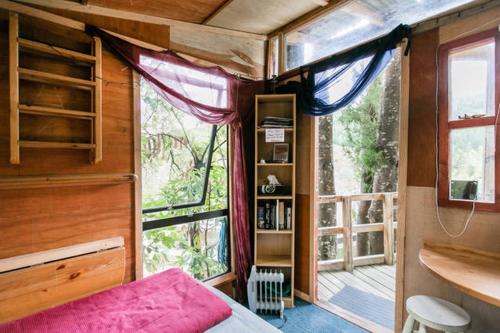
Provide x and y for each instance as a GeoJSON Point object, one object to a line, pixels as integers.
{"type": "Point", "coordinates": [47, 297]}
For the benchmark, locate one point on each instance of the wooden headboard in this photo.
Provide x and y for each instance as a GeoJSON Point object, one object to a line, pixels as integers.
{"type": "Point", "coordinates": [38, 281]}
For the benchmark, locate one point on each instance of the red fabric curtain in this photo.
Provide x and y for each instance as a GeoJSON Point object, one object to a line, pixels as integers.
{"type": "Point", "coordinates": [213, 96]}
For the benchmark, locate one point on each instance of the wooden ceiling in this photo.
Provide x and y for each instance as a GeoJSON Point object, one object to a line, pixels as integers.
{"type": "Point", "coordinates": [260, 16]}
{"type": "Point", "coordinates": [254, 16]}
{"type": "Point", "coordinates": [195, 11]}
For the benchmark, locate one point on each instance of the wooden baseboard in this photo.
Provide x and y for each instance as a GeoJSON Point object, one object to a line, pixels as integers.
{"type": "Point", "coordinates": [302, 295]}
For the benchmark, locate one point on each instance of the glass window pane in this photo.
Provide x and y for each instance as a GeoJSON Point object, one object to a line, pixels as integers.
{"type": "Point", "coordinates": [174, 159]}
{"type": "Point", "coordinates": [472, 163]}
{"type": "Point", "coordinates": [201, 87]}
{"type": "Point", "coordinates": [472, 81]}
{"type": "Point", "coordinates": [200, 248]}
{"type": "Point", "coordinates": [356, 22]}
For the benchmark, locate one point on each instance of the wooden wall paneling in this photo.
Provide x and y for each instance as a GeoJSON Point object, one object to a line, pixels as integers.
{"type": "Point", "coordinates": [97, 99]}
{"type": "Point", "coordinates": [402, 187]}
{"type": "Point", "coordinates": [136, 79]}
{"type": "Point", "coordinates": [29, 290]}
{"type": "Point", "coordinates": [42, 257]}
{"type": "Point", "coordinates": [422, 108]}
{"type": "Point", "coordinates": [14, 87]}
{"type": "Point", "coordinates": [156, 34]}
{"type": "Point", "coordinates": [40, 219]}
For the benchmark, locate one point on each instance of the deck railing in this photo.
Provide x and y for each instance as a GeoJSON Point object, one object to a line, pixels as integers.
{"type": "Point", "coordinates": [347, 229]}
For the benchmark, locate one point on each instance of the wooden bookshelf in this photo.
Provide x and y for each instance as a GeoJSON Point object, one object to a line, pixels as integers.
{"type": "Point", "coordinates": [36, 122]}
{"type": "Point", "coordinates": [274, 247]}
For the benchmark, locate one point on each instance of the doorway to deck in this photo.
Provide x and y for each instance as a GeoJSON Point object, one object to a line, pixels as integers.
{"type": "Point", "coordinates": [357, 156]}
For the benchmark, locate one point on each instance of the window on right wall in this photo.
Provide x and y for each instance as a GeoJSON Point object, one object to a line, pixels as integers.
{"type": "Point", "coordinates": [469, 89]}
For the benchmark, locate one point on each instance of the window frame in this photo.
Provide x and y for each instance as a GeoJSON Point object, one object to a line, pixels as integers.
{"type": "Point", "coordinates": [445, 125]}
{"type": "Point", "coordinates": [206, 179]}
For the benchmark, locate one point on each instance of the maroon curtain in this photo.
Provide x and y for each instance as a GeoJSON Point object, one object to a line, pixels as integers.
{"type": "Point", "coordinates": [213, 96]}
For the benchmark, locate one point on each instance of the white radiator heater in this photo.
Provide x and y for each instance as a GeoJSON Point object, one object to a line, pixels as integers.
{"type": "Point", "coordinates": [265, 291]}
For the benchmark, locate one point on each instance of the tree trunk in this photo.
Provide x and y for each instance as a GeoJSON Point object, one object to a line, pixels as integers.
{"type": "Point", "coordinates": [362, 240]}
{"type": "Point", "coordinates": [327, 245]}
{"type": "Point", "coordinates": [386, 175]}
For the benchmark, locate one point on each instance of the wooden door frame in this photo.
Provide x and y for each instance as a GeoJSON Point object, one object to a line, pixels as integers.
{"type": "Point", "coordinates": [136, 93]}
{"type": "Point", "coordinates": [402, 188]}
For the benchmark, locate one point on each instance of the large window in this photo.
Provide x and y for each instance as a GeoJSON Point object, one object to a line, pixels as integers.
{"type": "Point", "coordinates": [185, 189]}
{"type": "Point", "coordinates": [469, 99]}
{"type": "Point", "coordinates": [356, 22]}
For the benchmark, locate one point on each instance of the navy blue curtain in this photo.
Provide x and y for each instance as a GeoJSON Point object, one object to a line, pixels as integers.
{"type": "Point", "coordinates": [314, 91]}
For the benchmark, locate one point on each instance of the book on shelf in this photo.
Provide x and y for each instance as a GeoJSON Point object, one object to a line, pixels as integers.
{"type": "Point", "coordinates": [274, 215]}
{"type": "Point", "coordinates": [288, 218]}
{"type": "Point", "coordinates": [276, 122]}
{"type": "Point", "coordinates": [281, 215]}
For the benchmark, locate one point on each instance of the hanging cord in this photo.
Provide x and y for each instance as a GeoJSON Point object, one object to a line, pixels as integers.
{"type": "Point", "coordinates": [283, 322]}
{"type": "Point", "coordinates": [471, 214]}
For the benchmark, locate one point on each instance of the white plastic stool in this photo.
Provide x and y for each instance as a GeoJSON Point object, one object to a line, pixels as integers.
{"type": "Point", "coordinates": [435, 313]}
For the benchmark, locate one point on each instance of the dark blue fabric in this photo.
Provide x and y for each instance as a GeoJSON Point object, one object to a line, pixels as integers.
{"type": "Point", "coordinates": [222, 247]}
{"type": "Point", "coordinates": [313, 90]}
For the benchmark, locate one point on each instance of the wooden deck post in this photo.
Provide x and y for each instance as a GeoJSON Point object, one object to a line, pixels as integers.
{"type": "Point", "coordinates": [347, 224]}
{"type": "Point", "coordinates": [389, 228]}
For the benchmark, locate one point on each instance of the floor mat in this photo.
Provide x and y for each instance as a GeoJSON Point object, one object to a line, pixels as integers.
{"type": "Point", "coordinates": [377, 309]}
{"type": "Point", "coordinates": [310, 318]}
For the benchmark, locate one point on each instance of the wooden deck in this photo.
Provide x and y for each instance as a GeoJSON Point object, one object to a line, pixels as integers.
{"type": "Point", "coordinates": [376, 279]}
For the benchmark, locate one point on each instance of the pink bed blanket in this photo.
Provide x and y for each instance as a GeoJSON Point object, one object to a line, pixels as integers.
{"type": "Point", "coordinates": [170, 301]}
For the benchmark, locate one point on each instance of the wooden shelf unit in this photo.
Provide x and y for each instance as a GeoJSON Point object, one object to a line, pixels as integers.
{"type": "Point", "coordinates": [20, 46]}
{"type": "Point", "coordinates": [275, 248]}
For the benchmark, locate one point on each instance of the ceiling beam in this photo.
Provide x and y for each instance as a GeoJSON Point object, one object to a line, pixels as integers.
{"type": "Point", "coordinates": [310, 16]}
{"type": "Point", "coordinates": [216, 11]}
{"type": "Point", "coordinates": [321, 3]}
{"type": "Point", "coordinates": [104, 11]}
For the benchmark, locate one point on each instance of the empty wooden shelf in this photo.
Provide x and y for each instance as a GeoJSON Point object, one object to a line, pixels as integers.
{"type": "Point", "coordinates": [40, 126]}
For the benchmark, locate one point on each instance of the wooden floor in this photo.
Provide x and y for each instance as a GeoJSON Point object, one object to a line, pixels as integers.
{"type": "Point", "coordinates": [376, 279]}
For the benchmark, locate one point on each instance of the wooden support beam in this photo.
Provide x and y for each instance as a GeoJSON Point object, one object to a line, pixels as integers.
{"type": "Point", "coordinates": [310, 17]}
{"type": "Point", "coordinates": [14, 87]}
{"type": "Point", "coordinates": [22, 182]}
{"type": "Point", "coordinates": [41, 14]}
{"type": "Point", "coordinates": [109, 12]}
{"type": "Point", "coordinates": [347, 224]}
{"type": "Point", "coordinates": [155, 34]}
{"type": "Point", "coordinates": [388, 208]}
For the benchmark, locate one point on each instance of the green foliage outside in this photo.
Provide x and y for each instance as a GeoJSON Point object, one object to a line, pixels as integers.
{"type": "Point", "coordinates": [174, 161]}
{"type": "Point", "coordinates": [359, 126]}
